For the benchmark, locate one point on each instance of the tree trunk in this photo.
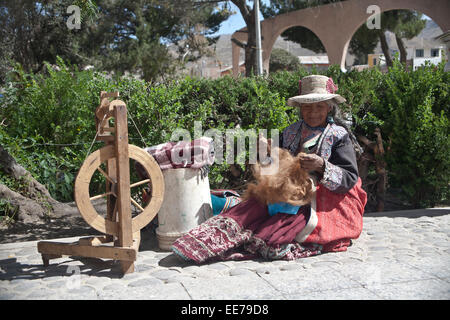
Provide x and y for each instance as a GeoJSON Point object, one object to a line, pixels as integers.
{"type": "Point", "coordinates": [374, 154]}
{"type": "Point", "coordinates": [250, 53]}
{"type": "Point", "coordinates": [366, 158]}
{"type": "Point", "coordinates": [385, 48]}
{"type": "Point", "coordinates": [401, 48]}
{"type": "Point", "coordinates": [22, 208]}
{"type": "Point", "coordinates": [33, 188]}
{"type": "Point", "coordinates": [32, 202]}
{"type": "Point", "coordinates": [380, 167]}
{"type": "Point", "coordinates": [250, 47]}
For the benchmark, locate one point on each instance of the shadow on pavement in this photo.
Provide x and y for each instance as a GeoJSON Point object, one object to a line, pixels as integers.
{"type": "Point", "coordinates": [417, 213]}
{"type": "Point", "coordinates": [58, 228]}
{"type": "Point", "coordinates": [11, 269]}
{"type": "Point", "coordinates": [173, 260]}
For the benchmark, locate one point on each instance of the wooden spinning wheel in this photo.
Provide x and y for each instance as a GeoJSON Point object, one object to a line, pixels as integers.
{"type": "Point", "coordinates": [84, 200]}
{"type": "Point", "coordinates": [121, 229]}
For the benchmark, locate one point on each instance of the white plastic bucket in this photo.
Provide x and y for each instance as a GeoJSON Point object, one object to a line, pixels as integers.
{"type": "Point", "coordinates": [187, 203]}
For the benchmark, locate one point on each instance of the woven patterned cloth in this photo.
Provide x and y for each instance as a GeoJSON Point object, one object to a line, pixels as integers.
{"type": "Point", "coordinates": [195, 154]}
{"type": "Point", "coordinates": [184, 154]}
{"type": "Point", "coordinates": [224, 199]}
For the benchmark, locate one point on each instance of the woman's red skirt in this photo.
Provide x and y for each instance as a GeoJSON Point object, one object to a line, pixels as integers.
{"type": "Point", "coordinates": [247, 231]}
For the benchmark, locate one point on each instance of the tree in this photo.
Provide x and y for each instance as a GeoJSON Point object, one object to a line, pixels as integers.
{"type": "Point", "coordinates": [137, 39]}
{"type": "Point", "coordinates": [404, 24]}
{"type": "Point", "coordinates": [281, 59]}
{"type": "Point", "coordinates": [248, 14]}
{"type": "Point", "coordinates": [115, 35]}
{"type": "Point", "coordinates": [363, 42]}
{"type": "Point", "coordinates": [32, 32]}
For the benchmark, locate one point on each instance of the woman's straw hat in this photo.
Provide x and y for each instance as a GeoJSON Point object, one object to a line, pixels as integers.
{"type": "Point", "coordinates": [315, 88]}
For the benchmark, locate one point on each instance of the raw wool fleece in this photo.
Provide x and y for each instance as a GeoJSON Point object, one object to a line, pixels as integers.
{"type": "Point", "coordinates": [287, 182]}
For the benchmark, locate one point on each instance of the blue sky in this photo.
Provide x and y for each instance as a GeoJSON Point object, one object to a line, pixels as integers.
{"type": "Point", "coordinates": [236, 22]}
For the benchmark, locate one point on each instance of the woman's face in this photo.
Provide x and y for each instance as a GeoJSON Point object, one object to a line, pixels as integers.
{"type": "Point", "coordinates": [315, 114]}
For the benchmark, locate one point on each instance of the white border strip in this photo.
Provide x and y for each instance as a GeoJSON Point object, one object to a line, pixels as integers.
{"type": "Point", "coordinates": [312, 222]}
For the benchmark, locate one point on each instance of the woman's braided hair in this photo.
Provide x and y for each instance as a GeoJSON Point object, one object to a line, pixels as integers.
{"type": "Point", "coordinates": [335, 116]}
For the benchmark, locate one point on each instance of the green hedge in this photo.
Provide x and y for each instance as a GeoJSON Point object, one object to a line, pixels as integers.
{"type": "Point", "coordinates": [50, 124]}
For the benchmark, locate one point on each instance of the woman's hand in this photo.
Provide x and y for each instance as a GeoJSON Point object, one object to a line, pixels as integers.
{"type": "Point", "coordinates": [312, 162]}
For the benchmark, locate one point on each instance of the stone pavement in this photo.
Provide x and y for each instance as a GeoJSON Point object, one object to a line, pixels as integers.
{"type": "Point", "coordinates": [399, 255]}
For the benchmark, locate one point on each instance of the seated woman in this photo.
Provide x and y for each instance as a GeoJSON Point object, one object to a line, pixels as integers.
{"type": "Point", "coordinates": [334, 217]}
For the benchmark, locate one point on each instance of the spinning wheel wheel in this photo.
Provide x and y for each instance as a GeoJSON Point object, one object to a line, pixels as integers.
{"type": "Point", "coordinates": [119, 222]}
{"type": "Point", "coordinates": [84, 200]}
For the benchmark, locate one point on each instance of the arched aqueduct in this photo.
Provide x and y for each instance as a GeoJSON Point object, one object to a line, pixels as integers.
{"type": "Point", "coordinates": [334, 24]}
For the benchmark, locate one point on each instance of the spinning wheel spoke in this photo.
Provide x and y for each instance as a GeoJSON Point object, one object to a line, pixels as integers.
{"type": "Point", "coordinates": [102, 195]}
{"type": "Point", "coordinates": [106, 175]}
{"type": "Point", "coordinates": [140, 182]}
{"type": "Point", "coordinates": [137, 204]}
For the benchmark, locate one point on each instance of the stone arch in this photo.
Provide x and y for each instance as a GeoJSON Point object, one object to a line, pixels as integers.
{"type": "Point", "coordinates": [351, 37]}
{"type": "Point", "coordinates": [335, 24]}
{"type": "Point", "coordinates": [424, 8]}
{"type": "Point", "coordinates": [268, 51]}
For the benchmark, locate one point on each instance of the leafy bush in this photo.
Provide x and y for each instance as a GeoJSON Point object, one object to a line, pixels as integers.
{"type": "Point", "coordinates": [413, 109]}
{"type": "Point", "coordinates": [49, 120]}
{"type": "Point", "coordinates": [281, 59]}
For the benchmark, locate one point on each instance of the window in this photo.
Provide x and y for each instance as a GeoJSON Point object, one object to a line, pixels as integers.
{"type": "Point", "coordinates": [374, 61]}
{"type": "Point", "coordinates": [419, 53]}
{"type": "Point", "coordinates": [435, 52]}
